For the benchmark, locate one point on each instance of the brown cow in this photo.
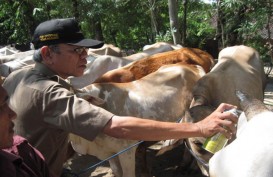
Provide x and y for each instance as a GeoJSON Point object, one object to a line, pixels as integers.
{"type": "Point", "coordinates": [106, 58]}
{"type": "Point", "coordinates": [145, 66]}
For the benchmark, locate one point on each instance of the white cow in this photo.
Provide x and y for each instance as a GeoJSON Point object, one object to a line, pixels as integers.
{"type": "Point", "coordinates": [99, 61]}
{"type": "Point", "coordinates": [157, 45]}
{"type": "Point", "coordinates": [19, 55]}
{"type": "Point", "coordinates": [238, 68]}
{"type": "Point", "coordinates": [149, 50]}
{"type": "Point", "coordinates": [15, 61]}
{"type": "Point", "coordinates": [8, 50]}
{"type": "Point", "coordinates": [163, 95]}
{"type": "Point", "coordinates": [96, 67]}
{"type": "Point", "coordinates": [106, 49]}
{"type": "Point", "coordinates": [249, 155]}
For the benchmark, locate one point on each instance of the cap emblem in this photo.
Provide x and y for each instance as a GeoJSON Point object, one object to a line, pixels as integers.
{"type": "Point", "coordinates": [48, 37]}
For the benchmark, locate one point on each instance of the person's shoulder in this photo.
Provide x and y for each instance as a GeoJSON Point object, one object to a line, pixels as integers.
{"type": "Point", "coordinates": [17, 140]}
{"type": "Point", "coordinates": [21, 146]}
{"type": "Point", "coordinates": [18, 72]}
{"type": "Point", "coordinates": [14, 78]}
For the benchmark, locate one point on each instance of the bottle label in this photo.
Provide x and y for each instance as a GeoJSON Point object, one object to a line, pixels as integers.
{"type": "Point", "coordinates": [215, 143]}
{"type": "Point", "coordinates": [218, 141]}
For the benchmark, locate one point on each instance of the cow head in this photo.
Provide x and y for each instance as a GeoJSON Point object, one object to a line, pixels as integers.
{"type": "Point", "coordinates": [194, 144]}
{"type": "Point", "coordinates": [251, 106]}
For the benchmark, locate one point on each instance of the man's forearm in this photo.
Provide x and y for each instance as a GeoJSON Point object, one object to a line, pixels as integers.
{"type": "Point", "coordinates": [149, 130]}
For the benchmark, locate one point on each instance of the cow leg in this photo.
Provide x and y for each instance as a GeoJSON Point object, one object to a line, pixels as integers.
{"type": "Point", "coordinates": [115, 167]}
{"type": "Point", "coordinates": [127, 162]}
{"type": "Point", "coordinates": [141, 160]}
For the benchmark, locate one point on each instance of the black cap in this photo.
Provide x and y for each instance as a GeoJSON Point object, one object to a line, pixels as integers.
{"type": "Point", "coordinates": [58, 31]}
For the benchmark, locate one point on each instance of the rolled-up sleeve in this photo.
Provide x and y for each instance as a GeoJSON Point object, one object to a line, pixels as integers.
{"type": "Point", "coordinates": [65, 110]}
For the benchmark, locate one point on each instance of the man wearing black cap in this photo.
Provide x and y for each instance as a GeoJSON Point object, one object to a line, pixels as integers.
{"type": "Point", "coordinates": [48, 109]}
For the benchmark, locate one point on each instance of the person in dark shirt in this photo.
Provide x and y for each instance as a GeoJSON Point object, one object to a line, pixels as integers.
{"type": "Point", "coordinates": [17, 157]}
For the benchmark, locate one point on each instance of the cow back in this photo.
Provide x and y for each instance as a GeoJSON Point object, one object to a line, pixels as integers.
{"type": "Point", "coordinates": [138, 69]}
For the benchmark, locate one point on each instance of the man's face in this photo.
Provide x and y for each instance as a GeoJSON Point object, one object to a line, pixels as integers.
{"type": "Point", "coordinates": [6, 124]}
{"type": "Point", "coordinates": [69, 61]}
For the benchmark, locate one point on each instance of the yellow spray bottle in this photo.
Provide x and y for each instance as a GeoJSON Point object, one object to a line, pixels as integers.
{"type": "Point", "coordinates": [218, 141]}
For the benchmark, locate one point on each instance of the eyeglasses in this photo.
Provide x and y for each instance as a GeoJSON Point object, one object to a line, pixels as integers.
{"type": "Point", "coordinates": [80, 50]}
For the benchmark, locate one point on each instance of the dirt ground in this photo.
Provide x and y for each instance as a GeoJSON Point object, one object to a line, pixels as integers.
{"type": "Point", "coordinates": [170, 164]}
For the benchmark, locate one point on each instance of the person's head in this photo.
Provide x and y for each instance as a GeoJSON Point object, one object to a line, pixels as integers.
{"type": "Point", "coordinates": [6, 124]}
{"type": "Point", "coordinates": [60, 44]}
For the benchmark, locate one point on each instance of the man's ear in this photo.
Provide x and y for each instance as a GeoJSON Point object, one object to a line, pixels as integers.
{"type": "Point", "coordinates": [47, 55]}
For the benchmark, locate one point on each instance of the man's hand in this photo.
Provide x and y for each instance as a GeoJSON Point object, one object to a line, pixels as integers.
{"type": "Point", "coordinates": [219, 121]}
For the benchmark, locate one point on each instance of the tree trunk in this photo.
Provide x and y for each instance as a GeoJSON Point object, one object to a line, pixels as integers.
{"type": "Point", "coordinates": [154, 25]}
{"type": "Point", "coordinates": [184, 23]}
{"type": "Point", "coordinates": [75, 9]}
{"type": "Point", "coordinates": [234, 38]}
{"type": "Point", "coordinates": [29, 19]}
{"type": "Point", "coordinates": [96, 27]}
{"type": "Point", "coordinates": [269, 43]}
{"type": "Point", "coordinates": [220, 32]}
{"type": "Point", "coordinates": [173, 15]}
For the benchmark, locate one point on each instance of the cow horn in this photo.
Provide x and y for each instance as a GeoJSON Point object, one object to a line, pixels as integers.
{"type": "Point", "coordinates": [250, 106]}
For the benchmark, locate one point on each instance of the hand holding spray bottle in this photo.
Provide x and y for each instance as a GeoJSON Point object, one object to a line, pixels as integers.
{"type": "Point", "coordinates": [218, 141]}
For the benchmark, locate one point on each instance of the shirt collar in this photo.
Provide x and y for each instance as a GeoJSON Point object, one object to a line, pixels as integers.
{"type": "Point", "coordinates": [42, 69]}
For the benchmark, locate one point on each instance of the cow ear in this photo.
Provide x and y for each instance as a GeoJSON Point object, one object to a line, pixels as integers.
{"type": "Point", "coordinates": [91, 99]}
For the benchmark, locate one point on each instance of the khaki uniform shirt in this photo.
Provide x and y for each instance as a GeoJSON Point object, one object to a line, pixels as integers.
{"type": "Point", "coordinates": [47, 111]}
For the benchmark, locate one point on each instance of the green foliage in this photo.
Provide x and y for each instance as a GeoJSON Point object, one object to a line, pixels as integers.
{"type": "Point", "coordinates": [167, 37]}
{"type": "Point", "coordinates": [258, 43]}
{"type": "Point", "coordinates": [127, 23]}
{"type": "Point", "coordinates": [5, 22]}
{"type": "Point", "coordinates": [199, 24]}
{"type": "Point", "coordinates": [126, 30]}
{"type": "Point", "coordinates": [17, 21]}
{"type": "Point", "coordinates": [252, 29]}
